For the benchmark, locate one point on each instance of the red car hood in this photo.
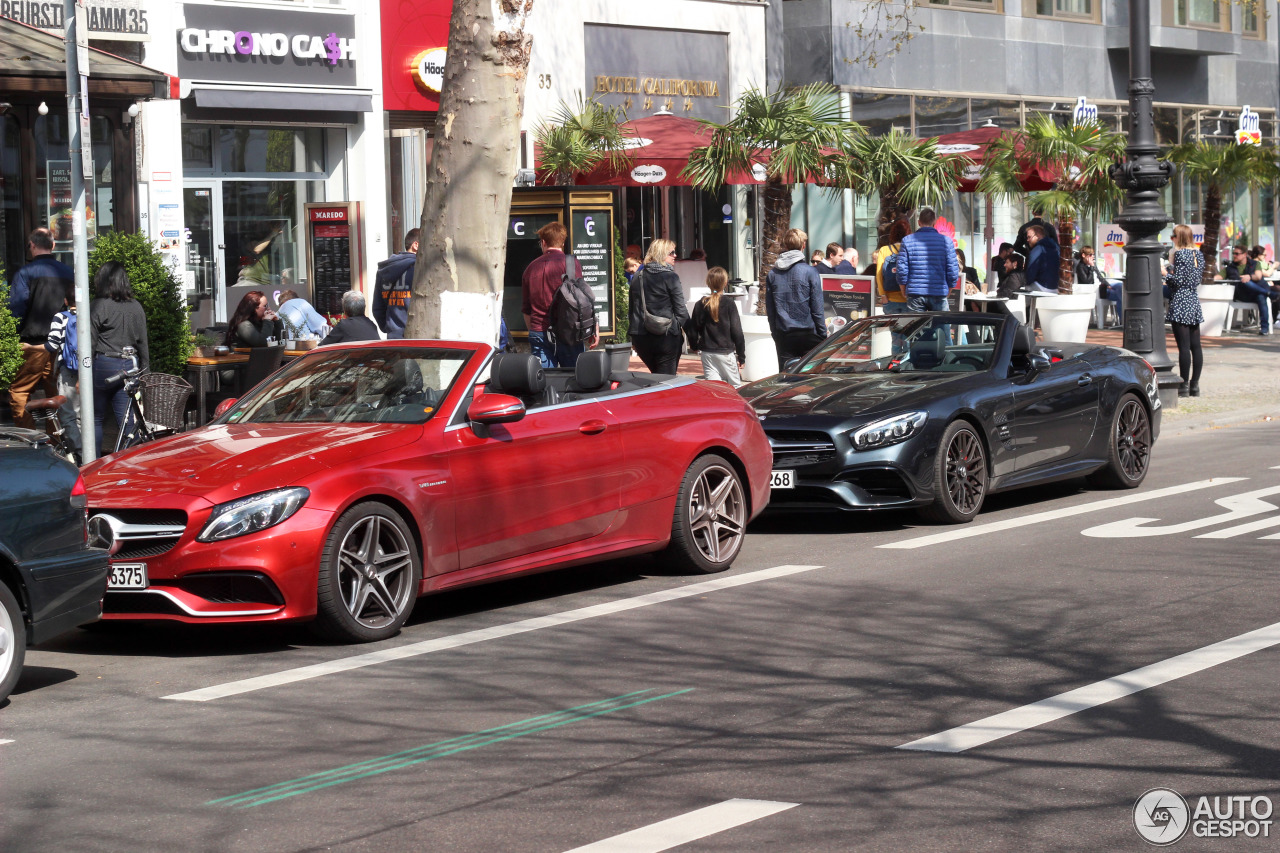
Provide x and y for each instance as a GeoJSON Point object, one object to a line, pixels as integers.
{"type": "Point", "coordinates": [239, 458]}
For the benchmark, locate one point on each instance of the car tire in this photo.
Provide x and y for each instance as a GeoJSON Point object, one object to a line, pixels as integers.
{"type": "Point", "coordinates": [13, 641]}
{"type": "Point", "coordinates": [369, 574]}
{"type": "Point", "coordinates": [1128, 447]}
{"type": "Point", "coordinates": [959, 476]}
{"type": "Point", "coordinates": [710, 520]}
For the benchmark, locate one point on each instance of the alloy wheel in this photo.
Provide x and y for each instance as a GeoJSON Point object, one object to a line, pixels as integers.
{"type": "Point", "coordinates": [1133, 439]}
{"type": "Point", "coordinates": [375, 572]}
{"type": "Point", "coordinates": [717, 513]}
{"type": "Point", "coordinates": [966, 473]}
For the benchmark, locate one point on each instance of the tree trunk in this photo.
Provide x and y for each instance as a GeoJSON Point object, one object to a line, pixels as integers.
{"type": "Point", "coordinates": [1066, 240]}
{"type": "Point", "coordinates": [776, 222]}
{"type": "Point", "coordinates": [891, 210]}
{"type": "Point", "coordinates": [457, 282]}
{"type": "Point", "coordinates": [1212, 223]}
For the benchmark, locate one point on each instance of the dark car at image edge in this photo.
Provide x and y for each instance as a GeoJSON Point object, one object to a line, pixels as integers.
{"type": "Point", "coordinates": [936, 411]}
{"type": "Point", "coordinates": [50, 580]}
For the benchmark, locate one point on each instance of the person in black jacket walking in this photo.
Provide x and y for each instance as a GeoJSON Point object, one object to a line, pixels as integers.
{"type": "Point", "coordinates": [715, 330]}
{"type": "Point", "coordinates": [118, 321]}
{"type": "Point", "coordinates": [661, 295]}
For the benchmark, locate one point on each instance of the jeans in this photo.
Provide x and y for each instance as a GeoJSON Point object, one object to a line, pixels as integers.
{"type": "Point", "coordinates": [1259, 294]}
{"type": "Point", "coordinates": [554, 355]}
{"type": "Point", "coordinates": [894, 308]}
{"type": "Point", "coordinates": [917, 304]}
{"type": "Point", "coordinates": [794, 344]}
{"type": "Point", "coordinates": [104, 367]}
{"type": "Point", "coordinates": [1115, 295]}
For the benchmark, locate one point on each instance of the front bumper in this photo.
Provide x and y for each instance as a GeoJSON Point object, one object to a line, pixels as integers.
{"type": "Point", "coordinates": [900, 475]}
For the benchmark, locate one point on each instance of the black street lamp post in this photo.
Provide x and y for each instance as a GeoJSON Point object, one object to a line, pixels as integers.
{"type": "Point", "coordinates": [1142, 176]}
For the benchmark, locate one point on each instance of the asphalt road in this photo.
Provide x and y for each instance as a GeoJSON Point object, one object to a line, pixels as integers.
{"type": "Point", "coordinates": [761, 709]}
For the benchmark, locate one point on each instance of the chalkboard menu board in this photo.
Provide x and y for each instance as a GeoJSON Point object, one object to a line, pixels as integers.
{"type": "Point", "coordinates": [591, 242]}
{"type": "Point", "coordinates": [333, 247]}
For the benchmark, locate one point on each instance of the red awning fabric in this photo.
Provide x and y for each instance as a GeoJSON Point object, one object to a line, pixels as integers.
{"type": "Point", "coordinates": [973, 144]}
{"type": "Point", "coordinates": [660, 148]}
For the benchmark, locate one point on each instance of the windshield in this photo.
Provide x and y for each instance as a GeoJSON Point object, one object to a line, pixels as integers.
{"type": "Point", "coordinates": [399, 385]}
{"type": "Point", "coordinates": [930, 343]}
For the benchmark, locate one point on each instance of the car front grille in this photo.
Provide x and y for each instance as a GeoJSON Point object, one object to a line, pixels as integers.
{"type": "Point", "coordinates": [143, 533]}
{"type": "Point", "coordinates": [800, 448]}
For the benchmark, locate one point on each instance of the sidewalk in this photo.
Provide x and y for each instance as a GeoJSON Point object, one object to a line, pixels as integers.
{"type": "Point", "coordinates": [1240, 382]}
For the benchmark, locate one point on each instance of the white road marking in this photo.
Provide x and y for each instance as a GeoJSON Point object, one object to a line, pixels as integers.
{"type": "Point", "coordinates": [1050, 515]}
{"type": "Point", "coordinates": [1091, 695]}
{"type": "Point", "coordinates": [1236, 506]}
{"type": "Point", "coordinates": [3, 742]}
{"type": "Point", "coordinates": [686, 827]}
{"type": "Point", "coordinates": [439, 644]}
{"type": "Point", "coordinates": [1247, 527]}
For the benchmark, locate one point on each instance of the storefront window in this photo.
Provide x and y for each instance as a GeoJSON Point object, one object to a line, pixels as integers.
{"type": "Point", "coordinates": [263, 226]}
{"type": "Point", "coordinates": [269, 149]}
{"type": "Point", "coordinates": [881, 113]}
{"type": "Point", "coordinates": [999, 113]}
{"type": "Point", "coordinates": [12, 240]}
{"type": "Point", "coordinates": [408, 153]}
{"type": "Point", "coordinates": [1166, 119]}
{"type": "Point", "coordinates": [938, 116]}
{"type": "Point", "coordinates": [197, 147]}
{"type": "Point", "coordinates": [54, 202]}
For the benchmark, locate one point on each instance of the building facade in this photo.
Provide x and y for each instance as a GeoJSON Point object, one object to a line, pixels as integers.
{"type": "Point", "coordinates": [980, 62]}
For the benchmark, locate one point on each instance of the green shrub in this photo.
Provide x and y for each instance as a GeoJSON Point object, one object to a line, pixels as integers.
{"type": "Point", "coordinates": [10, 346]}
{"type": "Point", "coordinates": [621, 292]}
{"type": "Point", "coordinates": [168, 324]}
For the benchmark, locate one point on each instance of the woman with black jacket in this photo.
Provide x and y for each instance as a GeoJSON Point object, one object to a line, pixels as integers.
{"type": "Point", "coordinates": [118, 321]}
{"type": "Point", "coordinates": [655, 289]}
{"type": "Point", "coordinates": [715, 330]}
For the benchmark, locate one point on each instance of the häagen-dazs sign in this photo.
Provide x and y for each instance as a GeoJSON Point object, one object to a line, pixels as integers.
{"type": "Point", "coordinates": [245, 45]}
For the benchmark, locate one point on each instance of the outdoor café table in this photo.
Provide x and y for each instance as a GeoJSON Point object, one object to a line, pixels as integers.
{"type": "Point", "coordinates": [289, 354]}
{"type": "Point", "coordinates": [202, 368]}
{"type": "Point", "coordinates": [983, 298]}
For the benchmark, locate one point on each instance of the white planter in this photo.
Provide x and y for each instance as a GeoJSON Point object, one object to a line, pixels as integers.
{"type": "Point", "coordinates": [762, 355]}
{"type": "Point", "coordinates": [1065, 318]}
{"type": "Point", "coordinates": [1215, 303]}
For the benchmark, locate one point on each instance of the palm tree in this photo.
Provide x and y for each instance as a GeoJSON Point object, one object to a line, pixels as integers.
{"type": "Point", "coordinates": [795, 134]}
{"type": "Point", "coordinates": [575, 142]}
{"type": "Point", "coordinates": [1219, 169]}
{"type": "Point", "coordinates": [1079, 154]}
{"type": "Point", "coordinates": [905, 171]}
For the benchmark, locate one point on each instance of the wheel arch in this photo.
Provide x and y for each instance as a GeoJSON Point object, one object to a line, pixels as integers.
{"type": "Point", "coordinates": [972, 420]}
{"type": "Point", "coordinates": [399, 508]}
{"type": "Point", "coordinates": [12, 578]}
{"type": "Point", "coordinates": [735, 462]}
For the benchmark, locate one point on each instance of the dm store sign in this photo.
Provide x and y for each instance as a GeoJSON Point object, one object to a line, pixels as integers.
{"type": "Point", "coordinates": [245, 45]}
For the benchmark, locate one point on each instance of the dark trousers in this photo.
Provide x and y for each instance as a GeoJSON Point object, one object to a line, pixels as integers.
{"type": "Point", "coordinates": [794, 344]}
{"type": "Point", "coordinates": [104, 367]}
{"type": "Point", "coordinates": [660, 353]}
{"type": "Point", "coordinates": [1190, 356]}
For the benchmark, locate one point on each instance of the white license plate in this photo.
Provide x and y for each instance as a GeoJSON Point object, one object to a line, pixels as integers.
{"type": "Point", "coordinates": [128, 576]}
{"type": "Point", "coordinates": [782, 480]}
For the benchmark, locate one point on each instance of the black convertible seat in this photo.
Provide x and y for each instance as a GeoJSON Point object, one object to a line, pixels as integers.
{"type": "Point", "coordinates": [925, 354]}
{"type": "Point", "coordinates": [1024, 339]}
{"type": "Point", "coordinates": [520, 374]}
{"type": "Point", "coordinates": [590, 376]}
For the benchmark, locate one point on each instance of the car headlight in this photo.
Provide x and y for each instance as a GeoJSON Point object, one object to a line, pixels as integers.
{"type": "Point", "coordinates": [251, 514]}
{"type": "Point", "coordinates": [888, 431]}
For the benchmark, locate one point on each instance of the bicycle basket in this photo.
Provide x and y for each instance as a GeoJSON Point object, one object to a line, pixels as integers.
{"type": "Point", "coordinates": [165, 399]}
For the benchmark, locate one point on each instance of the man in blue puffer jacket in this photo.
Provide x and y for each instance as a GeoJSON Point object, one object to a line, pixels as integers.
{"type": "Point", "coordinates": [927, 265]}
{"type": "Point", "coordinates": [793, 301]}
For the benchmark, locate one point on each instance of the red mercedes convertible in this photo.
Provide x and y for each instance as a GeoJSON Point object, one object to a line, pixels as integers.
{"type": "Point", "coordinates": [360, 477]}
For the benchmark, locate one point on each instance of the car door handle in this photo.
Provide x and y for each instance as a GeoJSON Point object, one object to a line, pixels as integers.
{"type": "Point", "coordinates": [593, 427]}
{"type": "Point", "coordinates": [1085, 380]}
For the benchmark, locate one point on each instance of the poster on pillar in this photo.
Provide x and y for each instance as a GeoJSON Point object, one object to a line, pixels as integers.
{"type": "Point", "coordinates": [59, 206]}
{"type": "Point", "coordinates": [845, 298]}
{"type": "Point", "coordinates": [591, 242]}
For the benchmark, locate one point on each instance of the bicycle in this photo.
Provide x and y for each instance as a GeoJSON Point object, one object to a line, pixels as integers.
{"type": "Point", "coordinates": [136, 429]}
{"type": "Point", "coordinates": [45, 413]}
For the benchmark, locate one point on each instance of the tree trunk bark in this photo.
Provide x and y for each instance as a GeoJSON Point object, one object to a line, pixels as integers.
{"type": "Point", "coordinates": [457, 281]}
{"type": "Point", "coordinates": [1212, 223]}
{"type": "Point", "coordinates": [1066, 240]}
{"type": "Point", "coordinates": [891, 210]}
{"type": "Point", "coordinates": [775, 223]}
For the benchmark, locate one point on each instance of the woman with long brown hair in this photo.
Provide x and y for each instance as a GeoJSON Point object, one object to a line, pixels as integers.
{"type": "Point", "coordinates": [715, 330]}
{"type": "Point", "coordinates": [253, 322]}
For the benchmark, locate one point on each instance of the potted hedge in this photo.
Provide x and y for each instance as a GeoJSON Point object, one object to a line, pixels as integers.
{"type": "Point", "coordinates": [159, 292]}
{"type": "Point", "coordinates": [10, 350]}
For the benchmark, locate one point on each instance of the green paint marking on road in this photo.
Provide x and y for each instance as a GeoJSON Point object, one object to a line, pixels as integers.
{"type": "Point", "coordinates": [440, 749]}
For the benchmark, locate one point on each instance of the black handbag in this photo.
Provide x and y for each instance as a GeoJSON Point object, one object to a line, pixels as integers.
{"type": "Point", "coordinates": [653, 324]}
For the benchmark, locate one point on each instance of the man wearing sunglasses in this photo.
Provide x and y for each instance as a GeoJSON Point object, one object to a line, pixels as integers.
{"type": "Point", "coordinates": [1250, 287]}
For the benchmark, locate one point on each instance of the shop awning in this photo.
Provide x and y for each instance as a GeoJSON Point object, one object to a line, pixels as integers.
{"type": "Point", "coordinates": [32, 60]}
{"type": "Point", "coordinates": [258, 99]}
{"type": "Point", "coordinates": [973, 144]}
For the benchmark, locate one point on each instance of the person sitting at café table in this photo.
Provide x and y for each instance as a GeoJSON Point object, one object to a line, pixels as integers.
{"type": "Point", "coordinates": [354, 326]}
{"type": "Point", "coordinates": [1250, 287]}
{"type": "Point", "coordinates": [253, 324]}
{"type": "Point", "coordinates": [299, 318]}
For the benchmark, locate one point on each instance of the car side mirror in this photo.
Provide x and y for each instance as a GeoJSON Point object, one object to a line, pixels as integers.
{"type": "Point", "coordinates": [224, 407]}
{"type": "Point", "coordinates": [790, 365]}
{"type": "Point", "coordinates": [1038, 362]}
{"type": "Point", "coordinates": [495, 409]}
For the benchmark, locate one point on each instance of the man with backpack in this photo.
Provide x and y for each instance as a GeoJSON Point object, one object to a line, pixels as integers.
{"type": "Point", "coordinates": [557, 304]}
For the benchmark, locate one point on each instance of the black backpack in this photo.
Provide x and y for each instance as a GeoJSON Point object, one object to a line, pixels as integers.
{"type": "Point", "coordinates": [573, 308]}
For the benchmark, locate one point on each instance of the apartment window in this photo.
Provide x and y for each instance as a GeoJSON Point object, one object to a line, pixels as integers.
{"type": "Point", "coordinates": [1198, 13]}
{"type": "Point", "coordinates": [1251, 19]}
{"type": "Point", "coordinates": [1065, 8]}
{"type": "Point", "coordinates": [985, 5]}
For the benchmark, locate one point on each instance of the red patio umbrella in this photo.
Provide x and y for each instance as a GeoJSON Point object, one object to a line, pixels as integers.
{"type": "Point", "coordinates": [659, 148]}
{"type": "Point", "coordinates": [973, 144]}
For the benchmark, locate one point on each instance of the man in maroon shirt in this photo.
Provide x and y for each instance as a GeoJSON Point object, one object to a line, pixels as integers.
{"type": "Point", "coordinates": [541, 280]}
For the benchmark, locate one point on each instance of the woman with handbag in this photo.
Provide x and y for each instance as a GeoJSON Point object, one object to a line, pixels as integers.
{"type": "Point", "coordinates": [658, 312]}
{"type": "Point", "coordinates": [1185, 315]}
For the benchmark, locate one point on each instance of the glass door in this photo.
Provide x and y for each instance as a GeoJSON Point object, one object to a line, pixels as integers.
{"type": "Point", "coordinates": [204, 253]}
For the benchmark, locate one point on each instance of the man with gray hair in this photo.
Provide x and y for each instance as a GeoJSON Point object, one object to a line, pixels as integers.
{"type": "Point", "coordinates": [355, 326]}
